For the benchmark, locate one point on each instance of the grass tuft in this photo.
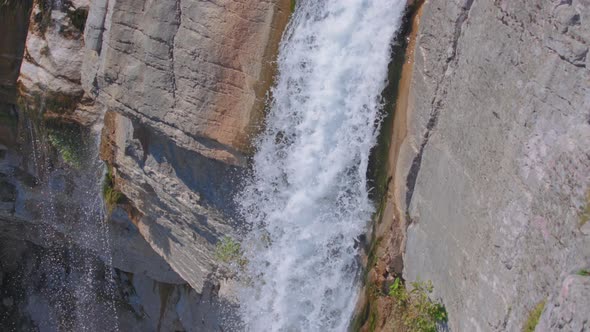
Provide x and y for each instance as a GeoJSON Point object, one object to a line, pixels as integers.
{"type": "Point", "coordinates": [67, 140]}
{"type": "Point", "coordinates": [78, 18]}
{"type": "Point", "coordinates": [111, 196]}
{"type": "Point", "coordinates": [585, 211]}
{"type": "Point", "coordinates": [229, 251]}
{"type": "Point", "coordinates": [420, 314]}
{"type": "Point", "coordinates": [534, 316]}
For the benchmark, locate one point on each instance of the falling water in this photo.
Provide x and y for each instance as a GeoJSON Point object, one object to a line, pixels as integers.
{"type": "Point", "coordinates": [73, 274]}
{"type": "Point", "coordinates": [307, 199]}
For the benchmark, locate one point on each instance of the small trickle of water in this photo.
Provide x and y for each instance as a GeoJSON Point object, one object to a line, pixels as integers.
{"type": "Point", "coordinates": [307, 199]}
{"type": "Point", "coordinates": [77, 278]}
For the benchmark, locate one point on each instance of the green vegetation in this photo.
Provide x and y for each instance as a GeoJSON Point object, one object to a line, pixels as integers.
{"type": "Point", "coordinates": [67, 140]}
{"type": "Point", "coordinates": [368, 316]}
{"type": "Point", "coordinates": [420, 314]}
{"type": "Point", "coordinates": [229, 251]}
{"type": "Point", "coordinates": [585, 212]}
{"type": "Point", "coordinates": [534, 317]}
{"type": "Point", "coordinates": [584, 273]}
{"type": "Point", "coordinates": [78, 18]}
{"type": "Point", "coordinates": [293, 4]}
{"type": "Point", "coordinates": [112, 196]}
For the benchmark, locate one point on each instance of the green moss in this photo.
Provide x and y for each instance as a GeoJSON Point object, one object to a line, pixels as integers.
{"type": "Point", "coordinates": [229, 251]}
{"type": "Point", "coordinates": [111, 196]}
{"type": "Point", "coordinates": [293, 5]}
{"type": "Point", "coordinates": [369, 314]}
{"type": "Point", "coordinates": [534, 316]}
{"type": "Point", "coordinates": [373, 321]}
{"type": "Point", "coordinates": [419, 313]}
{"type": "Point", "coordinates": [68, 142]}
{"type": "Point", "coordinates": [359, 319]}
{"type": "Point", "coordinates": [78, 18]}
{"type": "Point", "coordinates": [372, 256]}
{"type": "Point", "coordinates": [585, 211]}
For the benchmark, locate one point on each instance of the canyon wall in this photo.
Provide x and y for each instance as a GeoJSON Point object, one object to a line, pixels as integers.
{"type": "Point", "coordinates": [175, 91]}
{"type": "Point", "coordinates": [493, 175]}
{"type": "Point", "coordinates": [183, 83]}
{"type": "Point", "coordinates": [490, 162]}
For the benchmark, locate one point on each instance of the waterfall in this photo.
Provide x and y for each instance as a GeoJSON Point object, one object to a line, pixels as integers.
{"type": "Point", "coordinates": [73, 279]}
{"type": "Point", "coordinates": [306, 200]}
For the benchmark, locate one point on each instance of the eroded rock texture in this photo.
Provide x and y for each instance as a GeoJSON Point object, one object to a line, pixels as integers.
{"type": "Point", "coordinates": [50, 77]}
{"type": "Point", "coordinates": [497, 159]}
{"type": "Point", "coordinates": [183, 82]}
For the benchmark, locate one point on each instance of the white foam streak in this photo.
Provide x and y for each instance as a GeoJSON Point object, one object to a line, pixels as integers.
{"type": "Point", "coordinates": [307, 200]}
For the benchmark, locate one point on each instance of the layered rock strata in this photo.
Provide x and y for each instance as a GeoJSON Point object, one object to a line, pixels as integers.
{"type": "Point", "coordinates": [182, 83]}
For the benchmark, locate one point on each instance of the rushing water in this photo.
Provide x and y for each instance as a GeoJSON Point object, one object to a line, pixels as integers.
{"type": "Point", "coordinates": [307, 199]}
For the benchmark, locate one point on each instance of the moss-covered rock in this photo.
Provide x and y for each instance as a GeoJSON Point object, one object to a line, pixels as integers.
{"type": "Point", "coordinates": [111, 195]}
{"type": "Point", "coordinates": [78, 17]}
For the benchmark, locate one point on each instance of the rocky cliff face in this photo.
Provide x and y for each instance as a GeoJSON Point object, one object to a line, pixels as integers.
{"type": "Point", "coordinates": [490, 190]}
{"type": "Point", "coordinates": [182, 83]}
{"type": "Point", "coordinates": [494, 172]}
{"type": "Point", "coordinates": [178, 89]}
{"type": "Point", "coordinates": [15, 24]}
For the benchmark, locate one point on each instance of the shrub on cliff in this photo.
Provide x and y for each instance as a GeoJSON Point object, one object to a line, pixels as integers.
{"type": "Point", "coordinates": [585, 211]}
{"type": "Point", "coordinates": [229, 251]}
{"type": "Point", "coordinates": [111, 196]}
{"type": "Point", "coordinates": [67, 143]}
{"type": "Point", "coordinates": [420, 314]}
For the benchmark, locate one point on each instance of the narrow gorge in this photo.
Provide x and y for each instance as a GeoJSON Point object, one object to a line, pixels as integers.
{"type": "Point", "coordinates": [282, 165]}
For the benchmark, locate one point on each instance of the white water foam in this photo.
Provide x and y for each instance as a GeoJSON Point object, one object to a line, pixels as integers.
{"type": "Point", "coordinates": [307, 199]}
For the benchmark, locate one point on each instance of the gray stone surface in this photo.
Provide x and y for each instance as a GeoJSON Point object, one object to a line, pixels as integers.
{"type": "Point", "coordinates": [166, 307]}
{"type": "Point", "coordinates": [497, 158]}
{"type": "Point", "coordinates": [132, 253]}
{"type": "Point", "coordinates": [183, 82]}
{"type": "Point", "coordinates": [179, 195]}
{"type": "Point", "coordinates": [191, 70]}
{"type": "Point", "coordinates": [53, 54]}
{"type": "Point", "coordinates": [567, 308]}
